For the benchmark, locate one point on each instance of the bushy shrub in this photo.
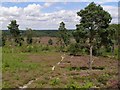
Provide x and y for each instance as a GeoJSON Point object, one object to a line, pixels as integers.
{"type": "Point", "coordinates": [50, 42]}
{"type": "Point", "coordinates": [3, 41]}
{"type": "Point", "coordinates": [55, 81]}
{"type": "Point", "coordinates": [108, 49]}
{"type": "Point", "coordinates": [74, 49]}
{"type": "Point", "coordinates": [60, 48]}
{"type": "Point", "coordinates": [30, 48]}
{"type": "Point", "coordinates": [45, 48]}
{"type": "Point", "coordinates": [87, 85]}
{"type": "Point", "coordinates": [103, 79]}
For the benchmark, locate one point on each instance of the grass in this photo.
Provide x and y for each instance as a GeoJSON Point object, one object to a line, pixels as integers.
{"type": "Point", "coordinates": [55, 81]}
{"type": "Point", "coordinates": [0, 67]}
{"type": "Point", "coordinates": [20, 68]}
{"type": "Point", "coordinates": [23, 65]}
{"type": "Point", "coordinates": [13, 61]}
{"type": "Point", "coordinates": [14, 65]}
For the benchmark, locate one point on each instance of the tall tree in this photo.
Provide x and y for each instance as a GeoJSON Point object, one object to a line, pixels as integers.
{"type": "Point", "coordinates": [14, 30]}
{"type": "Point", "coordinates": [63, 34]}
{"type": "Point", "coordinates": [93, 19]}
{"type": "Point", "coordinates": [29, 36]}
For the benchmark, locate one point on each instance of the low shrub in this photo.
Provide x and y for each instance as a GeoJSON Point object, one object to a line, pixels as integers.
{"type": "Point", "coordinates": [55, 81]}
{"type": "Point", "coordinates": [72, 85]}
{"type": "Point", "coordinates": [74, 49]}
{"type": "Point", "coordinates": [45, 48]}
{"type": "Point", "coordinates": [50, 42]}
{"type": "Point", "coordinates": [87, 85]}
{"type": "Point", "coordinates": [103, 79]}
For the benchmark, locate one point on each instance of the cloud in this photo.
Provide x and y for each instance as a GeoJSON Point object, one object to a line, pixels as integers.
{"type": "Point", "coordinates": [52, 20]}
{"type": "Point", "coordinates": [103, 1]}
{"type": "Point", "coordinates": [32, 10]}
{"type": "Point", "coordinates": [48, 4]}
{"type": "Point", "coordinates": [13, 11]}
{"type": "Point", "coordinates": [32, 16]}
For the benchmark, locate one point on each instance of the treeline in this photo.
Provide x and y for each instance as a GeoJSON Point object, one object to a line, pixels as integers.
{"type": "Point", "coordinates": [53, 33]}
{"type": "Point", "coordinates": [39, 33]}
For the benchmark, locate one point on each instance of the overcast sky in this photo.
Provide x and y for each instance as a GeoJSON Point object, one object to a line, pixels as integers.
{"type": "Point", "coordinates": [47, 15]}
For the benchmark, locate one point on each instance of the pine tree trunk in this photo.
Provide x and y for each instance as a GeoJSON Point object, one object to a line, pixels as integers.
{"type": "Point", "coordinates": [90, 59]}
{"type": "Point", "coordinates": [112, 51]}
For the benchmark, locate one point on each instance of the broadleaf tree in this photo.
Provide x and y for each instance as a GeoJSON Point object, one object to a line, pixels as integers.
{"type": "Point", "coordinates": [93, 19]}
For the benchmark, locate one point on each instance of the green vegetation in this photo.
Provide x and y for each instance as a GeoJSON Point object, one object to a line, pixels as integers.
{"type": "Point", "coordinates": [14, 67]}
{"type": "Point", "coordinates": [63, 35]}
{"type": "Point", "coordinates": [74, 85]}
{"type": "Point", "coordinates": [14, 30]}
{"type": "Point", "coordinates": [50, 42]}
{"type": "Point", "coordinates": [29, 36]}
{"type": "Point", "coordinates": [74, 49]}
{"type": "Point", "coordinates": [83, 58]}
{"type": "Point", "coordinates": [91, 26]}
{"type": "Point", "coordinates": [55, 81]}
{"type": "Point", "coordinates": [3, 40]}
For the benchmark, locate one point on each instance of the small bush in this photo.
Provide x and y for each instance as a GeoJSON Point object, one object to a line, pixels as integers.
{"type": "Point", "coordinates": [74, 68]}
{"type": "Point", "coordinates": [103, 79]}
{"type": "Point", "coordinates": [29, 48]}
{"type": "Point", "coordinates": [60, 49]}
{"type": "Point", "coordinates": [45, 48]}
{"type": "Point", "coordinates": [50, 42]}
{"type": "Point", "coordinates": [108, 49]}
{"type": "Point", "coordinates": [72, 85]}
{"type": "Point", "coordinates": [75, 85]}
{"type": "Point", "coordinates": [55, 81]}
{"type": "Point", "coordinates": [6, 65]}
{"type": "Point", "coordinates": [87, 85]}
{"type": "Point", "coordinates": [74, 49]}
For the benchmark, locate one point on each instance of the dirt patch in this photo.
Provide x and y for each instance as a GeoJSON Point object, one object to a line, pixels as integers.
{"type": "Point", "coordinates": [82, 61]}
{"type": "Point", "coordinates": [44, 40]}
{"type": "Point", "coordinates": [46, 58]}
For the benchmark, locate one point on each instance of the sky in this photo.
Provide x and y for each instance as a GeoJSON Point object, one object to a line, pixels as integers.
{"type": "Point", "coordinates": [47, 14]}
